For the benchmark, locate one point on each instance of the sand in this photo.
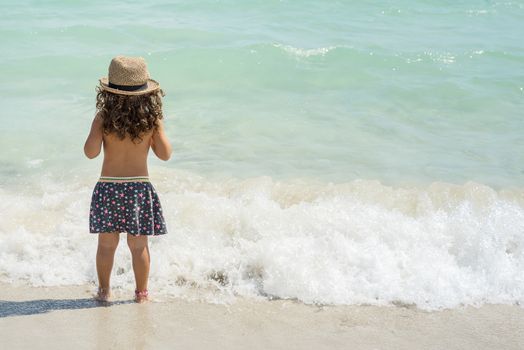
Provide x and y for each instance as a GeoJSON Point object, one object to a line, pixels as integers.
{"type": "Point", "coordinates": [66, 317]}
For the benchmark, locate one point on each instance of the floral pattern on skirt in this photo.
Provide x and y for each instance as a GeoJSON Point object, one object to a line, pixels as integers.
{"type": "Point", "coordinates": [131, 206]}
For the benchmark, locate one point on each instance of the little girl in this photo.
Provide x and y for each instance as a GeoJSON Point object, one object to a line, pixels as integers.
{"type": "Point", "coordinates": [128, 122]}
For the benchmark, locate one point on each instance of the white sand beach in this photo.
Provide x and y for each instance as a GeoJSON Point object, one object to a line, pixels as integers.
{"type": "Point", "coordinates": [66, 317]}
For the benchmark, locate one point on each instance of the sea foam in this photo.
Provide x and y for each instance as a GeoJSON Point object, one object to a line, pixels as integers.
{"type": "Point", "coordinates": [439, 246]}
{"type": "Point", "coordinates": [299, 52]}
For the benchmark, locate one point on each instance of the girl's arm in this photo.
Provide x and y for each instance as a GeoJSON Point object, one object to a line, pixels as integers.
{"type": "Point", "coordinates": [93, 143]}
{"type": "Point", "coordinates": [160, 144]}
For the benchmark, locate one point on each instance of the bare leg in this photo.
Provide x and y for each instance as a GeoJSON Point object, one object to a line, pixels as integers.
{"type": "Point", "coordinates": [141, 260]}
{"type": "Point", "coordinates": [105, 254]}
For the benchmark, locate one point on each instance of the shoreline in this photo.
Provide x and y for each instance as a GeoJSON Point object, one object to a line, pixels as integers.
{"type": "Point", "coordinates": [66, 316]}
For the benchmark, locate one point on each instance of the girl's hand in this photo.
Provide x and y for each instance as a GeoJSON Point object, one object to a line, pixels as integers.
{"type": "Point", "coordinates": [93, 144]}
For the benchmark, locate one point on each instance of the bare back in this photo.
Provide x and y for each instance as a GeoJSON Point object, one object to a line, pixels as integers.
{"type": "Point", "coordinates": [125, 158]}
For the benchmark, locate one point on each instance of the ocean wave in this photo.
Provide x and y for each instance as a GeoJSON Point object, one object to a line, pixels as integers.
{"type": "Point", "coordinates": [440, 246]}
{"type": "Point", "coordinates": [299, 52]}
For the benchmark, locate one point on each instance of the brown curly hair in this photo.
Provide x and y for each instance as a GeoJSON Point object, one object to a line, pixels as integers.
{"type": "Point", "coordinates": [130, 115]}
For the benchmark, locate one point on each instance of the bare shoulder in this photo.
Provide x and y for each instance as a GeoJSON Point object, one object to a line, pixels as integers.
{"type": "Point", "coordinates": [160, 124]}
{"type": "Point", "coordinates": [98, 118]}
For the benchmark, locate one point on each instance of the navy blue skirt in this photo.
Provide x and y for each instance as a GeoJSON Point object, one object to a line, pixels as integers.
{"type": "Point", "coordinates": [128, 204]}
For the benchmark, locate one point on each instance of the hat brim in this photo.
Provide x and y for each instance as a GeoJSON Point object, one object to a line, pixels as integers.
{"type": "Point", "coordinates": [151, 85]}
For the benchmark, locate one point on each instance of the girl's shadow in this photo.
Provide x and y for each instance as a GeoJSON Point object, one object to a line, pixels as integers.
{"type": "Point", "coordinates": [33, 307]}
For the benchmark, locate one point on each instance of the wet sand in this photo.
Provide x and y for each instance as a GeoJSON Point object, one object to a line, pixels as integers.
{"type": "Point", "coordinates": [67, 317]}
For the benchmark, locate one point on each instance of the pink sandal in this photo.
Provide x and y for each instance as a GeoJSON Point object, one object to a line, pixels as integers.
{"type": "Point", "coordinates": [141, 295]}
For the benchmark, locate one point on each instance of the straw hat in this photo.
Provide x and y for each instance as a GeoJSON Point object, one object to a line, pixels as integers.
{"type": "Point", "coordinates": [128, 76]}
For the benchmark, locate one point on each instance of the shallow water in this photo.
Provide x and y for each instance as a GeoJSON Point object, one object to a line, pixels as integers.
{"type": "Point", "coordinates": [341, 152]}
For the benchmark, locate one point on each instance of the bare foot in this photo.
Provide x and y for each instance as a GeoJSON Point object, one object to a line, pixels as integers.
{"type": "Point", "coordinates": [141, 296]}
{"type": "Point", "coordinates": [102, 295]}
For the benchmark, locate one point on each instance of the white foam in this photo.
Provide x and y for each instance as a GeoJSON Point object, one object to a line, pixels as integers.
{"type": "Point", "coordinates": [359, 242]}
{"type": "Point", "coordinates": [299, 52]}
{"type": "Point", "coordinates": [34, 163]}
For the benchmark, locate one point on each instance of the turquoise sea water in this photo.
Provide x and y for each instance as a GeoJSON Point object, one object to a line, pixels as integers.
{"type": "Point", "coordinates": [386, 124]}
{"type": "Point", "coordinates": [394, 91]}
